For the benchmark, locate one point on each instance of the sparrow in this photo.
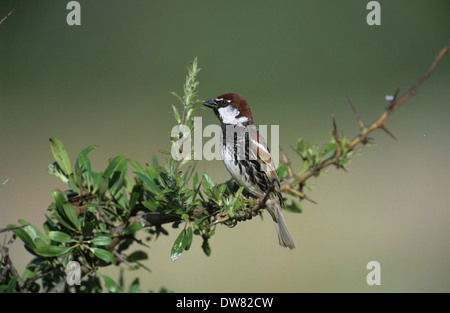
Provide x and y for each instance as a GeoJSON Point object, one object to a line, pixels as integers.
{"type": "Point", "coordinates": [247, 157]}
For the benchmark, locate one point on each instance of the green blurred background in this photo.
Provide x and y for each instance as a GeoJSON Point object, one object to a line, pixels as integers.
{"type": "Point", "coordinates": [107, 82]}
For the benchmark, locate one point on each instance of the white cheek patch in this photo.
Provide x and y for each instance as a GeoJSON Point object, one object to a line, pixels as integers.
{"type": "Point", "coordinates": [228, 115]}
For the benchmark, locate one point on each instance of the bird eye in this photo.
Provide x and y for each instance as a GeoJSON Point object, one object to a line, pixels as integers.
{"type": "Point", "coordinates": [222, 102]}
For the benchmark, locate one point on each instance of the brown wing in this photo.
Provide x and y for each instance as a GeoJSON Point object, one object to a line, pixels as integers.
{"type": "Point", "coordinates": [259, 150]}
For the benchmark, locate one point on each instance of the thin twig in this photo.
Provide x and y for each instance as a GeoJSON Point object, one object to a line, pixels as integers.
{"type": "Point", "coordinates": [297, 193]}
{"type": "Point", "coordinates": [10, 12]}
{"type": "Point", "coordinates": [12, 228]}
{"type": "Point", "coordinates": [4, 183]}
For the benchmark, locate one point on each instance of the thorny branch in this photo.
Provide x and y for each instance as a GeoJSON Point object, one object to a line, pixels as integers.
{"type": "Point", "coordinates": [361, 138]}
{"type": "Point", "coordinates": [10, 12]}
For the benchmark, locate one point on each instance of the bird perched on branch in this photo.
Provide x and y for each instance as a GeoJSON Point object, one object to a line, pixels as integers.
{"type": "Point", "coordinates": [247, 157]}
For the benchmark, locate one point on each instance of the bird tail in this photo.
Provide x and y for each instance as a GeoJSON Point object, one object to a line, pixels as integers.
{"type": "Point", "coordinates": [284, 237]}
{"type": "Point", "coordinates": [274, 207]}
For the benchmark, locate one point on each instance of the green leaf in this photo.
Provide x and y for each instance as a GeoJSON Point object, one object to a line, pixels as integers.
{"type": "Point", "coordinates": [10, 287]}
{"type": "Point", "coordinates": [195, 180]}
{"type": "Point", "coordinates": [173, 93]}
{"type": "Point", "coordinates": [71, 215]}
{"type": "Point", "coordinates": [206, 247]}
{"type": "Point", "coordinates": [100, 184]}
{"type": "Point", "coordinates": [179, 245]}
{"type": "Point", "coordinates": [207, 181]}
{"type": "Point", "coordinates": [60, 236]}
{"type": "Point", "coordinates": [152, 206]}
{"type": "Point", "coordinates": [66, 211]}
{"type": "Point", "coordinates": [33, 231]}
{"type": "Point", "coordinates": [24, 236]}
{"type": "Point", "coordinates": [30, 235]}
{"type": "Point", "coordinates": [73, 184]}
{"type": "Point", "coordinates": [132, 228]}
{"type": "Point", "coordinates": [138, 167]}
{"type": "Point", "coordinates": [116, 164]}
{"type": "Point", "coordinates": [134, 287]}
{"type": "Point", "coordinates": [136, 193]}
{"type": "Point", "coordinates": [148, 183]}
{"type": "Point", "coordinates": [38, 242]}
{"type": "Point", "coordinates": [62, 220]}
{"type": "Point", "coordinates": [60, 154]}
{"type": "Point", "coordinates": [137, 256]}
{"type": "Point", "coordinates": [104, 255]}
{"type": "Point", "coordinates": [88, 228]}
{"type": "Point", "coordinates": [101, 241]}
{"type": "Point", "coordinates": [82, 157]}
{"type": "Point", "coordinates": [200, 219]}
{"type": "Point", "coordinates": [83, 167]}
{"type": "Point", "coordinates": [330, 147]}
{"type": "Point", "coordinates": [153, 173]}
{"type": "Point", "coordinates": [59, 201]}
{"type": "Point", "coordinates": [110, 284]}
{"type": "Point", "coordinates": [281, 170]}
{"type": "Point", "coordinates": [117, 180]}
{"type": "Point", "coordinates": [176, 114]}
{"type": "Point", "coordinates": [189, 237]}
{"type": "Point", "coordinates": [238, 192]}
{"type": "Point", "coordinates": [185, 217]}
{"type": "Point", "coordinates": [51, 251]}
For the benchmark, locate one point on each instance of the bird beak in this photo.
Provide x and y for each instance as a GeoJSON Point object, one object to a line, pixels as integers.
{"type": "Point", "coordinates": [210, 104]}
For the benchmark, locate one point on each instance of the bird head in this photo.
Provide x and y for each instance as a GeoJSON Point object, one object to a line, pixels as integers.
{"type": "Point", "coordinates": [231, 109]}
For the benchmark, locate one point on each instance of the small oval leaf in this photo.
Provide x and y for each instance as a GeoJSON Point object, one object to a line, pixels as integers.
{"type": "Point", "coordinates": [132, 228]}
{"type": "Point", "coordinates": [110, 284]}
{"type": "Point", "coordinates": [59, 236]}
{"type": "Point", "coordinates": [71, 214]}
{"type": "Point", "coordinates": [179, 246]}
{"type": "Point", "coordinates": [101, 241]}
{"type": "Point", "coordinates": [189, 237]}
{"type": "Point", "coordinates": [137, 256]}
{"type": "Point", "coordinates": [51, 251]}
{"type": "Point", "coordinates": [104, 255]}
{"type": "Point", "coordinates": [60, 154]}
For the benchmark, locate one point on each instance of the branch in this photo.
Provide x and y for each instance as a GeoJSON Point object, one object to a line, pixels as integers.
{"type": "Point", "coordinates": [10, 12]}
{"type": "Point", "coordinates": [13, 227]}
{"type": "Point", "coordinates": [396, 102]}
{"type": "Point", "coordinates": [362, 138]}
{"type": "Point", "coordinates": [4, 183]}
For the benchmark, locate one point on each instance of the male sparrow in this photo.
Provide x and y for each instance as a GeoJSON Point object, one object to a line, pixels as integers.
{"type": "Point", "coordinates": [247, 157]}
